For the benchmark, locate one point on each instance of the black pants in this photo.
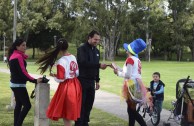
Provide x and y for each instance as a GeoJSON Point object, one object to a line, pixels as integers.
{"type": "Point", "coordinates": [22, 105]}
{"type": "Point", "coordinates": [88, 95]}
{"type": "Point", "coordinates": [134, 115]}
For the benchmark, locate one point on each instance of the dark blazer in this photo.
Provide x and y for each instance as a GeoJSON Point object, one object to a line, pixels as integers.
{"type": "Point", "coordinates": [88, 62]}
{"type": "Point", "coordinates": [17, 64]}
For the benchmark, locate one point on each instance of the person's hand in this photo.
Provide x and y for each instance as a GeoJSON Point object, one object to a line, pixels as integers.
{"type": "Point", "coordinates": [111, 66]}
{"type": "Point", "coordinates": [103, 66]}
{"type": "Point", "coordinates": [97, 86]}
{"type": "Point", "coordinates": [39, 80]}
{"type": "Point", "coordinates": [52, 74]}
{"type": "Point", "coordinates": [115, 71]}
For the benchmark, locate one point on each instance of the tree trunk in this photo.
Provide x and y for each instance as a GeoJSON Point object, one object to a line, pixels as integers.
{"type": "Point", "coordinates": [147, 58]}
{"type": "Point", "coordinates": [109, 48]}
{"type": "Point", "coordinates": [179, 54]}
{"type": "Point", "coordinates": [165, 55]}
{"type": "Point", "coordinates": [111, 40]}
{"type": "Point", "coordinates": [1, 48]}
{"type": "Point", "coordinates": [33, 52]}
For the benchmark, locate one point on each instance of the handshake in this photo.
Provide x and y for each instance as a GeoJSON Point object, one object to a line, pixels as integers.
{"type": "Point", "coordinates": [112, 65]}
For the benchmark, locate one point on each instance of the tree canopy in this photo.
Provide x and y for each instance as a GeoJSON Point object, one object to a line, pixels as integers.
{"type": "Point", "coordinates": [167, 26]}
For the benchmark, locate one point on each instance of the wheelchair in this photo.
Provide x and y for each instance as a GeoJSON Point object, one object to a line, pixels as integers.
{"type": "Point", "coordinates": [182, 111]}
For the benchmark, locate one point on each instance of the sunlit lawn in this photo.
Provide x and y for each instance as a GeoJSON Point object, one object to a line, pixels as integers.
{"type": "Point", "coordinates": [171, 72]}
{"type": "Point", "coordinates": [98, 118]}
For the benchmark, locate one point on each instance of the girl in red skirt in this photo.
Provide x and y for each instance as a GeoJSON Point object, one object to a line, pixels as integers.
{"type": "Point", "coordinates": [66, 103]}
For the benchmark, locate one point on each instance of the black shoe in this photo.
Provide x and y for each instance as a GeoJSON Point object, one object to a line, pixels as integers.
{"type": "Point", "coordinates": [85, 124]}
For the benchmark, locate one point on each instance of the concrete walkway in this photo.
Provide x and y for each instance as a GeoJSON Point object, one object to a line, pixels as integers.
{"type": "Point", "coordinates": [109, 103]}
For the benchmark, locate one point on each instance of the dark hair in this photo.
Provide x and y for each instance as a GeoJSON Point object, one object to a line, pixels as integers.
{"type": "Point", "coordinates": [92, 33]}
{"type": "Point", "coordinates": [11, 49]}
{"type": "Point", "coordinates": [48, 60]}
{"type": "Point", "coordinates": [156, 73]}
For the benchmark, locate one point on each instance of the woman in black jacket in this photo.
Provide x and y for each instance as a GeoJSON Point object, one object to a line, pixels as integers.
{"type": "Point", "coordinates": [19, 77]}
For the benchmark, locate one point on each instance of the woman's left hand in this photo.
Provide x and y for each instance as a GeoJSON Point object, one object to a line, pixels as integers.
{"type": "Point", "coordinates": [52, 74]}
{"type": "Point", "coordinates": [39, 80]}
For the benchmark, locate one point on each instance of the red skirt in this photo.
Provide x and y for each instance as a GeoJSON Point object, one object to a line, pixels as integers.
{"type": "Point", "coordinates": [66, 103]}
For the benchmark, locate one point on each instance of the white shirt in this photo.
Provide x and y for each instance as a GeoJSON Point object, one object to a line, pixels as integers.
{"type": "Point", "coordinates": [67, 68]}
{"type": "Point", "coordinates": [131, 68]}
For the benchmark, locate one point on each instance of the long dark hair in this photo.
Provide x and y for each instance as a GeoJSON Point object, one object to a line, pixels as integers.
{"type": "Point", "coordinates": [48, 60]}
{"type": "Point", "coordinates": [11, 49]}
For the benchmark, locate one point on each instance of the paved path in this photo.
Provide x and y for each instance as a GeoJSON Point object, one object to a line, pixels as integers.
{"type": "Point", "coordinates": [109, 103]}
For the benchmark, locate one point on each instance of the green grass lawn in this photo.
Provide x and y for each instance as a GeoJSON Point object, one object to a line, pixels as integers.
{"type": "Point", "coordinates": [98, 118]}
{"type": "Point", "coordinates": [171, 72]}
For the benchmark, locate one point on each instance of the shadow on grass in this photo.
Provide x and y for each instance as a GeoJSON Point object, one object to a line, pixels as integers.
{"type": "Point", "coordinates": [6, 117]}
{"type": "Point", "coordinates": [98, 118]}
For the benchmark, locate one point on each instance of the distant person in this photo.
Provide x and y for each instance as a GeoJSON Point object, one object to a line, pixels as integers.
{"type": "Point", "coordinates": [19, 76]}
{"type": "Point", "coordinates": [66, 102]}
{"type": "Point", "coordinates": [131, 72]}
{"type": "Point", "coordinates": [88, 57]}
{"type": "Point", "coordinates": [5, 59]}
{"type": "Point", "coordinates": [157, 91]}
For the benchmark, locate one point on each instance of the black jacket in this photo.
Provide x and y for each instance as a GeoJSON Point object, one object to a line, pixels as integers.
{"type": "Point", "coordinates": [17, 64]}
{"type": "Point", "coordinates": [158, 96]}
{"type": "Point", "coordinates": [88, 61]}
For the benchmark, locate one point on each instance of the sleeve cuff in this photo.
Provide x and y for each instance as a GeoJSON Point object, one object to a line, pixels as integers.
{"type": "Point", "coordinates": [97, 80]}
{"type": "Point", "coordinates": [99, 65]}
{"type": "Point", "coordinates": [34, 81]}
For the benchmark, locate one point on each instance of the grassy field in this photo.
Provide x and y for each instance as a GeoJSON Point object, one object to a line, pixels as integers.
{"type": "Point", "coordinates": [171, 72]}
{"type": "Point", "coordinates": [98, 118]}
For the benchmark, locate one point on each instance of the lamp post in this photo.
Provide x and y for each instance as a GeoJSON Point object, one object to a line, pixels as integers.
{"type": "Point", "coordinates": [55, 39]}
{"type": "Point", "coordinates": [14, 38]}
{"type": "Point", "coordinates": [15, 20]}
{"type": "Point", "coordinates": [12, 104]}
{"type": "Point", "coordinates": [148, 40]}
{"type": "Point", "coordinates": [149, 48]}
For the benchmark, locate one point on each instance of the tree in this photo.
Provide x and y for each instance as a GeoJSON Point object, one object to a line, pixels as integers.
{"type": "Point", "coordinates": [178, 10]}
{"type": "Point", "coordinates": [41, 20]}
{"type": "Point", "coordinates": [6, 20]}
{"type": "Point", "coordinates": [189, 28]}
{"type": "Point", "coordinates": [108, 17]}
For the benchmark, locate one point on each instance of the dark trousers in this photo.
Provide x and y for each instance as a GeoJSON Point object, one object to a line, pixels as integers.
{"type": "Point", "coordinates": [88, 95]}
{"type": "Point", "coordinates": [22, 105]}
{"type": "Point", "coordinates": [134, 115]}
